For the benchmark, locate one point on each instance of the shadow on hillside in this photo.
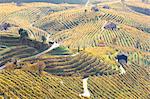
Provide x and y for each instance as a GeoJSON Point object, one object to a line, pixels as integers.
{"type": "Point", "coordinates": [15, 41]}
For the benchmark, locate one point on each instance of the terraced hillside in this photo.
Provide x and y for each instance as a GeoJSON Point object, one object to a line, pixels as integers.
{"type": "Point", "coordinates": [135, 19]}
{"type": "Point", "coordinates": [47, 49]}
{"type": "Point", "coordinates": [21, 84]}
{"type": "Point", "coordinates": [90, 25]}
{"type": "Point", "coordinates": [79, 64]}
{"type": "Point", "coordinates": [29, 13]}
{"type": "Point", "coordinates": [13, 48]}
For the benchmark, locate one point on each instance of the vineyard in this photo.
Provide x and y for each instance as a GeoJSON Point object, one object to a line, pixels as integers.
{"type": "Point", "coordinates": [47, 50]}
{"type": "Point", "coordinates": [21, 84]}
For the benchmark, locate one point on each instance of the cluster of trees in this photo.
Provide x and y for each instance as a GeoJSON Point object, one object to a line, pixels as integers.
{"type": "Point", "coordinates": [24, 39]}
{"type": "Point", "coordinates": [23, 36]}
{"type": "Point", "coordinates": [37, 67]}
{"type": "Point", "coordinates": [14, 63]}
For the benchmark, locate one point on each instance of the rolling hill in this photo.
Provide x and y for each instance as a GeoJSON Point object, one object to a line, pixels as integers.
{"type": "Point", "coordinates": [89, 40]}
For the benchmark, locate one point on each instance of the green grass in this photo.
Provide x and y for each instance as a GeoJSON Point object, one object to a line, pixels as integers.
{"type": "Point", "coordinates": [60, 51]}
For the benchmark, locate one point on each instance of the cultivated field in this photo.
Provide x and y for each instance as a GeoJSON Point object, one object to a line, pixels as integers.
{"type": "Point", "coordinates": [46, 50]}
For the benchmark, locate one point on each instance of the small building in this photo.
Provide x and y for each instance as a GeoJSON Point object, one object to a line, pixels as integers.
{"type": "Point", "coordinates": [106, 7]}
{"type": "Point", "coordinates": [51, 10]}
{"type": "Point", "coordinates": [111, 26]}
{"type": "Point", "coordinates": [4, 26]}
{"type": "Point", "coordinates": [95, 9]}
{"type": "Point", "coordinates": [102, 44]}
{"type": "Point", "coordinates": [122, 58]}
{"type": "Point", "coordinates": [19, 3]}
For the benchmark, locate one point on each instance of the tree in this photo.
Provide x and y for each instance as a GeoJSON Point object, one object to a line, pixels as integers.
{"type": "Point", "coordinates": [23, 35]}
{"type": "Point", "coordinates": [41, 66]}
{"type": "Point", "coordinates": [44, 39]}
{"type": "Point", "coordinates": [37, 67]}
{"type": "Point", "coordinates": [114, 40]}
{"type": "Point", "coordinates": [12, 65]}
{"type": "Point", "coordinates": [78, 49]}
{"type": "Point", "coordinates": [85, 10]}
{"type": "Point", "coordinates": [137, 44]}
